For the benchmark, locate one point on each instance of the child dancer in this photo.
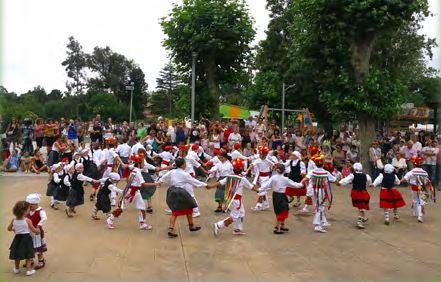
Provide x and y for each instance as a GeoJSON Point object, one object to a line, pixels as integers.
{"type": "Point", "coordinates": [192, 162]}
{"type": "Point", "coordinates": [108, 185]}
{"type": "Point", "coordinates": [180, 195]}
{"type": "Point", "coordinates": [221, 170]}
{"type": "Point", "coordinates": [236, 210]}
{"type": "Point", "coordinates": [76, 191]}
{"type": "Point", "coordinates": [22, 247]}
{"type": "Point", "coordinates": [421, 187]}
{"type": "Point", "coordinates": [318, 185]}
{"type": "Point", "coordinates": [132, 195]}
{"type": "Point", "coordinates": [278, 183]}
{"type": "Point", "coordinates": [296, 171]}
{"type": "Point", "coordinates": [390, 197]}
{"type": "Point", "coordinates": [359, 195]}
{"type": "Point", "coordinates": [38, 218]}
{"type": "Point", "coordinates": [262, 168]}
{"type": "Point", "coordinates": [53, 185]}
{"type": "Point", "coordinates": [60, 195]}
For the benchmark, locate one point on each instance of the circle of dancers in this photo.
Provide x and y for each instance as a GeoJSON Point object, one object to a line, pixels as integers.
{"type": "Point", "coordinates": [227, 171]}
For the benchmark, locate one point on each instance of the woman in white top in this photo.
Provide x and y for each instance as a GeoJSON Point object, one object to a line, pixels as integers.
{"type": "Point", "coordinates": [399, 164]}
{"type": "Point", "coordinates": [215, 139]}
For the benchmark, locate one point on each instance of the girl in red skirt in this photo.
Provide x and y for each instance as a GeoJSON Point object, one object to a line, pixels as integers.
{"type": "Point", "coordinates": [390, 197]}
{"type": "Point", "coordinates": [278, 183]}
{"type": "Point", "coordinates": [359, 195]}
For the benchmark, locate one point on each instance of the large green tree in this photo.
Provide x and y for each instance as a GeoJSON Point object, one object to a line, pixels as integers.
{"type": "Point", "coordinates": [358, 57]}
{"type": "Point", "coordinates": [112, 73]}
{"type": "Point", "coordinates": [274, 68]}
{"type": "Point", "coordinates": [220, 32]}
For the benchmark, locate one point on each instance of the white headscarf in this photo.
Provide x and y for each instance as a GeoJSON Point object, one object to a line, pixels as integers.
{"type": "Point", "coordinates": [297, 154]}
{"type": "Point", "coordinates": [114, 176]}
{"type": "Point", "coordinates": [358, 167]}
{"type": "Point", "coordinates": [54, 167]}
{"type": "Point", "coordinates": [33, 198]}
{"type": "Point", "coordinates": [388, 168]}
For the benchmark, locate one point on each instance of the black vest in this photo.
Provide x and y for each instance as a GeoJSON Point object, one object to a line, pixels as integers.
{"type": "Point", "coordinates": [294, 174]}
{"type": "Point", "coordinates": [359, 182]}
{"type": "Point", "coordinates": [52, 180]}
{"type": "Point", "coordinates": [75, 183]}
{"type": "Point", "coordinates": [105, 189]}
{"type": "Point", "coordinates": [388, 180]}
{"type": "Point", "coordinates": [62, 179]}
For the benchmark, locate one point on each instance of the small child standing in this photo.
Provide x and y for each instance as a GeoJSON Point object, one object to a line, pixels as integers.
{"type": "Point", "coordinates": [38, 217]}
{"type": "Point", "coordinates": [22, 247]}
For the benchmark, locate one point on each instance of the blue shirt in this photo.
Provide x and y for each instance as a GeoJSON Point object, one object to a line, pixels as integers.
{"type": "Point", "coordinates": [72, 132]}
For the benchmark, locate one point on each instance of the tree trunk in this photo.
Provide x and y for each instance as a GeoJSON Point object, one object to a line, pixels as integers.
{"type": "Point", "coordinates": [170, 102]}
{"type": "Point", "coordinates": [367, 136]}
{"type": "Point", "coordinates": [361, 56]}
{"type": "Point", "coordinates": [213, 87]}
{"type": "Point", "coordinates": [360, 60]}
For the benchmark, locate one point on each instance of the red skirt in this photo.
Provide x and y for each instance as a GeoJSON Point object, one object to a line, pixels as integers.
{"type": "Point", "coordinates": [182, 212]}
{"type": "Point", "coordinates": [391, 199]}
{"type": "Point", "coordinates": [282, 215]}
{"type": "Point", "coordinates": [360, 199]}
{"type": "Point", "coordinates": [295, 191]}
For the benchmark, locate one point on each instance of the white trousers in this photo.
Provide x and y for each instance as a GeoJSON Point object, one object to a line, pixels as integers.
{"type": "Point", "coordinates": [319, 216]}
{"type": "Point", "coordinates": [418, 204]}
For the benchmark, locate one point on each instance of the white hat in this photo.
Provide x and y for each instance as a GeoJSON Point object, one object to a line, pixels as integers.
{"type": "Point", "coordinates": [69, 167]}
{"type": "Point", "coordinates": [358, 167]}
{"type": "Point", "coordinates": [75, 154]}
{"type": "Point", "coordinates": [55, 166]}
{"type": "Point", "coordinates": [84, 151]}
{"type": "Point", "coordinates": [114, 176]}
{"type": "Point", "coordinates": [33, 198]}
{"type": "Point", "coordinates": [77, 166]}
{"type": "Point", "coordinates": [297, 154]}
{"type": "Point", "coordinates": [388, 168]}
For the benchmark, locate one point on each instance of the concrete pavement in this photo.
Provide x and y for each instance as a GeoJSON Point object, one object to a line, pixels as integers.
{"type": "Point", "coordinates": [80, 249]}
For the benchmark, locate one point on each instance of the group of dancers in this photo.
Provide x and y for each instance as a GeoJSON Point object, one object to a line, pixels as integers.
{"type": "Point", "coordinates": [228, 171]}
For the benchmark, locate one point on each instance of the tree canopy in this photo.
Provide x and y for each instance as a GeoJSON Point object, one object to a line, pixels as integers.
{"type": "Point", "coordinates": [220, 33]}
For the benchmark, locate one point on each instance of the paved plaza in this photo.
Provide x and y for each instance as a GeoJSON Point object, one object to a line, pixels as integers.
{"type": "Point", "coordinates": [81, 249]}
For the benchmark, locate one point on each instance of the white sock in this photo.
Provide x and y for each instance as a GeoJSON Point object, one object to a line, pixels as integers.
{"type": "Point", "coordinates": [140, 218]}
{"type": "Point", "coordinates": [220, 224]}
{"type": "Point", "coordinates": [237, 224]}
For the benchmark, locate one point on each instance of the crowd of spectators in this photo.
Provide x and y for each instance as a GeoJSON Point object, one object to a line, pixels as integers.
{"type": "Point", "coordinates": [340, 147]}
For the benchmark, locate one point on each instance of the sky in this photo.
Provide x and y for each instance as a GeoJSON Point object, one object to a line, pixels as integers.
{"type": "Point", "coordinates": [35, 34]}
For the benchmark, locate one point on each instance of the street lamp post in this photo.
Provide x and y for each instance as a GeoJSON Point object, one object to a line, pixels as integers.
{"type": "Point", "coordinates": [193, 84]}
{"type": "Point", "coordinates": [284, 89]}
{"type": "Point", "coordinates": [131, 87]}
